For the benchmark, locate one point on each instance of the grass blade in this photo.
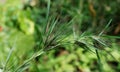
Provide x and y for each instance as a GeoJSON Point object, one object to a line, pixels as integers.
{"type": "Point", "coordinates": [27, 61]}
{"type": "Point", "coordinates": [105, 27]}
{"type": "Point", "coordinates": [9, 55]}
{"type": "Point", "coordinates": [48, 9]}
{"type": "Point", "coordinates": [99, 61]}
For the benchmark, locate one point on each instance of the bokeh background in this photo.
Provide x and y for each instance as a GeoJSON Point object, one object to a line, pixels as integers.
{"type": "Point", "coordinates": [19, 20]}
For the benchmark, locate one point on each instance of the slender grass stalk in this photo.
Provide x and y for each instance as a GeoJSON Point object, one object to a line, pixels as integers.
{"type": "Point", "coordinates": [99, 61]}
{"type": "Point", "coordinates": [9, 55]}
{"type": "Point", "coordinates": [51, 30]}
{"type": "Point", "coordinates": [113, 37]}
{"type": "Point", "coordinates": [74, 34]}
{"type": "Point", "coordinates": [47, 13]}
{"type": "Point", "coordinates": [48, 10]}
{"type": "Point", "coordinates": [27, 61]}
{"type": "Point", "coordinates": [97, 53]}
{"type": "Point", "coordinates": [105, 27]}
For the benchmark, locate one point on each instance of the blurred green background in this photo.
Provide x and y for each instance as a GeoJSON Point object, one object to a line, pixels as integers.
{"type": "Point", "coordinates": [20, 19]}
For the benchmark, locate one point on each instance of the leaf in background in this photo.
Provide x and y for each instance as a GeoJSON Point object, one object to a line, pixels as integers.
{"type": "Point", "coordinates": [26, 25]}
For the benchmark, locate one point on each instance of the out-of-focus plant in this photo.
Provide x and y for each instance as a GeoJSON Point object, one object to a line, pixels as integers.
{"type": "Point", "coordinates": [55, 46]}
{"type": "Point", "coordinates": [14, 15]}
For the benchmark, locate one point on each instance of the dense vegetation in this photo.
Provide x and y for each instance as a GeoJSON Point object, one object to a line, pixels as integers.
{"type": "Point", "coordinates": [59, 36]}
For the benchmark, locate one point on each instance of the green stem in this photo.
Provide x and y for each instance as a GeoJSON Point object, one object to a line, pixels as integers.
{"type": "Point", "coordinates": [99, 61]}
{"type": "Point", "coordinates": [27, 61]}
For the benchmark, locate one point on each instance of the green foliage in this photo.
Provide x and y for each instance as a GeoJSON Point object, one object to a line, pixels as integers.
{"type": "Point", "coordinates": [59, 36]}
